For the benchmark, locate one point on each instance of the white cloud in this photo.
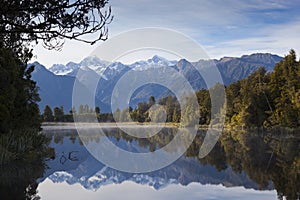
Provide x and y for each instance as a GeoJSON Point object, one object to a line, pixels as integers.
{"type": "Point", "coordinates": [278, 39]}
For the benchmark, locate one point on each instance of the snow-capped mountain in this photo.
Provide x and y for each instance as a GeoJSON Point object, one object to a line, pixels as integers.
{"type": "Point", "coordinates": [155, 61]}
{"type": "Point", "coordinates": [56, 90]}
{"type": "Point", "coordinates": [60, 69]}
{"type": "Point", "coordinates": [106, 69]}
{"type": "Point", "coordinates": [101, 76]}
{"type": "Point", "coordinates": [95, 63]}
{"type": "Point", "coordinates": [114, 70]}
{"type": "Point", "coordinates": [71, 69]}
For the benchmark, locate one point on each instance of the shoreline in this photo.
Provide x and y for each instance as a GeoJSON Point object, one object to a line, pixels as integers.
{"type": "Point", "coordinates": [73, 125]}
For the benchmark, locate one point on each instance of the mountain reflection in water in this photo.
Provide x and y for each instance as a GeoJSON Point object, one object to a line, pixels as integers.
{"type": "Point", "coordinates": [250, 160]}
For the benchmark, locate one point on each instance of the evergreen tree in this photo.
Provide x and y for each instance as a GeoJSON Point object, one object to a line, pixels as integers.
{"type": "Point", "coordinates": [97, 110]}
{"type": "Point", "coordinates": [80, 109]}
{"type": "Point", "coordinates": [23, 23]}
{"type": "Point", "coordinates": [124, 116]}
{"type": "Point", "coordinates": [72, 111]}
{"type": "Point", "coordinates": [117, 115]}
{"type": "Point", "coordinates": [285, 82]}
{"type": "Point", "coordinates": [151, 101]}
{"type": "Point", "coordinates": [18, 95]}
{"type": "Point", "coordinates": [175, 116]}
{"type": "Point", "coordinates": [204, 106]}
{"type": "Point", "coordinates": [48, 114]}
{"type": "Point", "coordinates": [86, 108]}
{"type": "Point", "coordinates": [134, 115]}
{"type": "Point", "coordinates": [58, 114]}
{"type": "Point", "coordinates": [141, 111]}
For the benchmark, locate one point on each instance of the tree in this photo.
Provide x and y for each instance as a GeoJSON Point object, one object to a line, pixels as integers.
{"type": "Point", "coordinates": [48, 114]}
{"type": "Point", "coordinates": [267, 99]}
{"type": "Point", "coordinates": [284, 85]}
{"type": "Point", "coordinates": [204, 106]}
{"type": "Point", "coordinates": [97, 110]}
{"type": "Point", "coordinates": [80, 109]}
{"type": "Point", "coordinates": [18, 95]}
{"type": "Point", "coordinates": [52, 21]}
{"type": "Point", "coordinates": [124, 115]}
{"type": "Point", "coordinates": [72, 111]}
{"type": "Point", "coordinates": [134, 114]}
{"type": "Point", "coordinates": [58, 114]}
{"type": "Point", "coordinates": [23, 23]}
{"type": "Point", "coordinates": [86, 108]}
{"type": "Point", "coordinates": [175, 116]}
{"type": "Point", "coordinates": [141, 111]}
{"type": "Point", "coordinates": [151, 101]}
{"type": "Point", "coordinates": [117, 115]}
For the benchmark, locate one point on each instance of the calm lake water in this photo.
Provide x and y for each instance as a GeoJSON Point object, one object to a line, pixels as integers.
{"type": "Point", "coordinates": [241, 166]}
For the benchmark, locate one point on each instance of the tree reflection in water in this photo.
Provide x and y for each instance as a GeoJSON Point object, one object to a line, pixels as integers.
{"type": "Point", "coordinates": [270, 160]}
{"type": "Point", "coordinates": [19, 180]}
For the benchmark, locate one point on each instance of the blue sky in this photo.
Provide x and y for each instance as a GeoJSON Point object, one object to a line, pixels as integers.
{"type": "Point", "coordinates": [222, 27]}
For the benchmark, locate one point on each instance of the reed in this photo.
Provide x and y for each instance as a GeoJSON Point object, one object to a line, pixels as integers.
{"type": "Point", "coordinates": [21, 145]}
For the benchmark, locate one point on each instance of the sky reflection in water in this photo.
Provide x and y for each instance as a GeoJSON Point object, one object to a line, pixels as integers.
{"type": "Point", "coordinates": [230, 171]}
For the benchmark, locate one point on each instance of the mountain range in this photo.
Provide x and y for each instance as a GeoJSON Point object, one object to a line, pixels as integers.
{"type": "Point", "coordinates": [100, 77]}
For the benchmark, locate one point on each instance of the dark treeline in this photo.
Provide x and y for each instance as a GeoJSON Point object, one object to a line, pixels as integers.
{"type": "Point", "coordinates": [267, 99]}
{"type": "Point", "coordinates": [139, 114]}
{"type": "Point", "coordinates": [83, 114]}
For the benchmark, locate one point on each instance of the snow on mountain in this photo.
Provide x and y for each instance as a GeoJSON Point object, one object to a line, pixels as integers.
{"type": "Point", "coordinates": [106, 69]}
{"type": "Point", "coordinates": [95, 63]}
{"type": "Point", "coordinates": [71, 69]}
{"type": "Point", "coordinates": [57, 90]}
{"type": "Point", "coordinates": [60, 69]}
{"type": "Point", "coordinates": [113, 70]}
{"type": "Point", "coordinates": [155, 61]}
{"type": "Point", "coordinates": [102, 77]}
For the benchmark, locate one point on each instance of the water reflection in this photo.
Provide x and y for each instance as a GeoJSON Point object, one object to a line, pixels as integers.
{"type": "Point", "coordinates": [261, 162]}
{"type": "Point", "coordinates": [19, 180]}
{"type": "Point", "coordinates": [255, 161]}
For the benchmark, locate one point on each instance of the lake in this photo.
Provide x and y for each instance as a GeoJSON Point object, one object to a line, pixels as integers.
{"type": "Point", "coordinates": [240, 166]}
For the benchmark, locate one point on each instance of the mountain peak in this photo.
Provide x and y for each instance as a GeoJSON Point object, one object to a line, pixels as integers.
{"type": "Point", "coordinates": [157, 58]}
{"type": "Point", "coordinates": [258, 57]}
{"type": "Point", "coordinates": [93, 61]}
{"type": "Point", "coordinates": [226, 59]}
{"type": "Point", "coordinates": [183, 61]}
{"type": "Point", "coordinates": [38, 67]}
